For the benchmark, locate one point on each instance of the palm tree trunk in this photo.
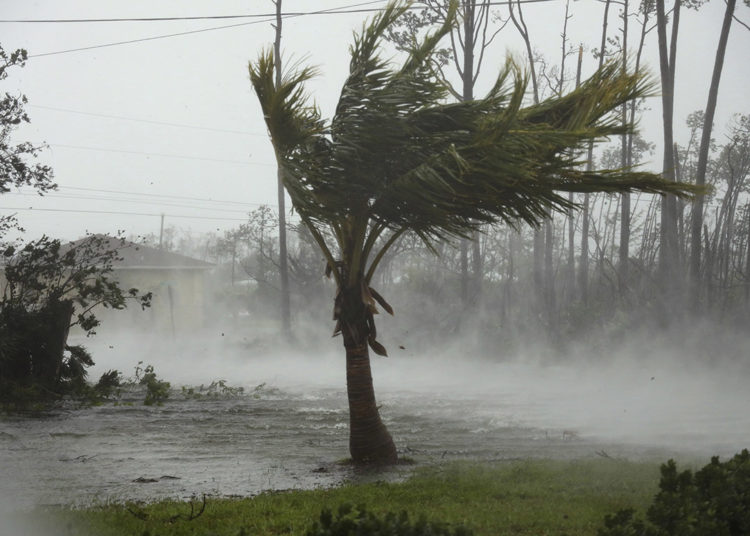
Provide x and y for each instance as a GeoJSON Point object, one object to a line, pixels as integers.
{"type": "Point", "coordinates": [369, 439]}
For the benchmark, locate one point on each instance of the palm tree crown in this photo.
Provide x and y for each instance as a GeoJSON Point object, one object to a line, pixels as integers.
{"type": "Point", "coordinates": [396, 156]}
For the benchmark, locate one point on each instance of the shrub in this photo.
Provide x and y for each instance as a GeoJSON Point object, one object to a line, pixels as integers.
{"type": "Point", "coordinates": [351, 521]}
{"type": "Point", "coordinates": [48, 288]}
{"type": "Point", "coordinates": [108, 384]}
{"type": "Point", "coordinates": [157, 391]}
{"type": "Point", "coordinates": [715, 501]}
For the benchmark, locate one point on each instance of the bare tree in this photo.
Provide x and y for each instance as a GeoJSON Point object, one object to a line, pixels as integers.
{"type": "Point", "coordinates": [668, 262]}
{"type": "Point", "coordinates": [583, 274]}
{"type": "Point", "coordinates": [700, 177]}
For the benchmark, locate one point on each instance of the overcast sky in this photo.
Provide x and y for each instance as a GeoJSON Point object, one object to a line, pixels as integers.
{"type": "Point", "coordinates": [171, 126]}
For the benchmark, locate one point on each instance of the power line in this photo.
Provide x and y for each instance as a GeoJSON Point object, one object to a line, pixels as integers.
{"type": "Point", "coordinates": [143, 39]}
{"type": "Point", "coordinates": [189, 32]}
{"type": "Point", "coordinates": [120, 213]}
{"type": "Point", "coordinates": [163, 155]}
{"type": "Point", "coordinates": [331, 11]}
{"type": "Point", "coordinates": [121, 200]}
{"type": "Point", "coordinates": [168, 196]}
{"type": "Point", "coordinates": [152, 122]}
{"type": "Point", "coordinates": [345, 9]}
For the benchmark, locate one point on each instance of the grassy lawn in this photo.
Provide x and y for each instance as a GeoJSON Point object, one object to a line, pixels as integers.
{"type": "Point", "coordinates": [537, 497]}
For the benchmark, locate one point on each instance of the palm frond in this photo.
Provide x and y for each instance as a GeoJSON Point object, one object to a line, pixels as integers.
{"type": "Point", "coordinates": [397, 154]}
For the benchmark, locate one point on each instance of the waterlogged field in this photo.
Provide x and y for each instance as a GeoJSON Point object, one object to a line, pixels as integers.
{"type": "Point", "coordinates": [240, 445]}
{"type": "Point", "coordinates": [289, 428]}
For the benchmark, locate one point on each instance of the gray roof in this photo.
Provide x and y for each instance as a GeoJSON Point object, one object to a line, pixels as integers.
{"type": "Point", "coordinates": [141, 256]}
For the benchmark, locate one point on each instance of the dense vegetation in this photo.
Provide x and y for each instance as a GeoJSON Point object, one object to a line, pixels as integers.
{"type": "Point", "coordinates": [711, 502]}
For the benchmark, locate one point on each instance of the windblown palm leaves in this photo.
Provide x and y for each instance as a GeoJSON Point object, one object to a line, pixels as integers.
{"type": "Point", "coordinates": [398, 157]}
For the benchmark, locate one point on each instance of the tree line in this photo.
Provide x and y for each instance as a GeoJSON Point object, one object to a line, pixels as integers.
{"type": "Point", "coordinates": [617, 257]}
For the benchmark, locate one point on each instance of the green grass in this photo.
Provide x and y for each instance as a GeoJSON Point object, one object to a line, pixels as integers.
{"type": "Point", "coordinates": [540, 497]}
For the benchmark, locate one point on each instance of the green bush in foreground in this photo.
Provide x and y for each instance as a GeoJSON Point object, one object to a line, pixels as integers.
{"type": "Point", "coordinates": [359, 522]}
{"type": "Point", "coordinates": [715, 501]}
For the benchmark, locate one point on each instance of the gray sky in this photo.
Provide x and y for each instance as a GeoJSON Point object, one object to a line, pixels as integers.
{"type": "Point", "coordinates": [130, 124]}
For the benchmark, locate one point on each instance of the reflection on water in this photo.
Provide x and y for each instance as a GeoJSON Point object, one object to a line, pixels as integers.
{"type": "Point", "coordinates": [294, 437]}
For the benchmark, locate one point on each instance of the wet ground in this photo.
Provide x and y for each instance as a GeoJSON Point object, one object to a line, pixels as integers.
{"type": "Point", "coordinates": [290, 430]}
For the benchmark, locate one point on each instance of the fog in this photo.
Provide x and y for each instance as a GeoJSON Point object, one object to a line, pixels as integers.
{"type": "Point", "coordinates": [682, 391]}
{"type": "Point", "coordinates": [648, 395]}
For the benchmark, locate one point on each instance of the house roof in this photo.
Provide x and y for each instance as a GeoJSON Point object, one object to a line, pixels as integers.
{"type": "Point", "coordinates": [136, 256]}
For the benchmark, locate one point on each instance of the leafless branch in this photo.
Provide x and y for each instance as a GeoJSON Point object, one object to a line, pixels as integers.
{"type": "Point", "coordinates": [740, 22]}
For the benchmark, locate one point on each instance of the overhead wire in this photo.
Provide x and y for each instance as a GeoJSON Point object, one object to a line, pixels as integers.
{"type": "Point", "coordinates": [162, 155]}
{"type": "Point", "coordinates": [123, 200]}
{"type": "Point", "coordinates": [149, 121]}
{"type": "Point", "coordinates": [354, 8]}
{"type": "Point", "coordinates": [121, 213]}
{"type": "Point", "coordinates": [188, 32]}
{"type": "Point", "coordinates": [168, 196]}
{"type": "Point", "coordinates": [331, 11]}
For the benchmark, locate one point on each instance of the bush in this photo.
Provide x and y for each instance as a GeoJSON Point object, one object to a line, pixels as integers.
{"type": "Point", "coordinates": [358, 521]}
{"type": "Point", "coordinates": [157, 391]}
{"type": "Point", "coordinates": [108, 384]}
{"type": "Point", "coordinates": [715, 501]}
{"type": "Point", "coordinates": [48, 288]}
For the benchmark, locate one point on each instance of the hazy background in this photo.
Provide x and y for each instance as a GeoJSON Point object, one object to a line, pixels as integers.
{"type": "Point", "coordinates": [137, 128]}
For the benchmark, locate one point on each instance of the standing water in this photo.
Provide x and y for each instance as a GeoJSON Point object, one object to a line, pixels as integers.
{"type": "Point", "coordinates": [289, 428]}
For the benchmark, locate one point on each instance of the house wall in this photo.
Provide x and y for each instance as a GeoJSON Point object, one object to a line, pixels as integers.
{"type": "Point", "coordinates": [178, 304]}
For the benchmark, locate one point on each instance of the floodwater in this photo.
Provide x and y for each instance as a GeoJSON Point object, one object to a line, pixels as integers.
{"type": "Point", "coordinates": [289, 429]}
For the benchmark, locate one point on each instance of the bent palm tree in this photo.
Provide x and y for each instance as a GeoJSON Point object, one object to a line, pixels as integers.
{"type": "Point", "coordinates": [396, 157]}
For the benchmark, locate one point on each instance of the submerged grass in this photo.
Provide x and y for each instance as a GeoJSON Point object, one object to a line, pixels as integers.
{"type": "Point", "coordinates": [539, 497]}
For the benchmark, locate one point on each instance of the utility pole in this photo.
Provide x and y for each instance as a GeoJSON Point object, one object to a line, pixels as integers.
{"type": "Point", "coordinates": [161, 232]}
{"type": "Point", "coordinates": [286, 324]}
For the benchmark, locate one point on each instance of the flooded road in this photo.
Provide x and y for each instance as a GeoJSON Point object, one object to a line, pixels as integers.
{"type": "Point", "coordinates": [290, 430]}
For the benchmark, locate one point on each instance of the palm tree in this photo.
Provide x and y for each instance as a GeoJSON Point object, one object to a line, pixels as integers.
{"type": "Point", "coordinates": [397, 158]}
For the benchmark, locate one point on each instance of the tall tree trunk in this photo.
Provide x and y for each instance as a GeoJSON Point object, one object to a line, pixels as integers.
{"type": "Point", "coordinates": [538, 262]}
{"type": "Point", "coordinates": [583, 265]}
{"type": "Point", "coordinates": [583, 274]}
{"type": "Point", "coordinates": [464, 258]}
{"type": "Point", "coordinates": [369, 439]}
{"type": "Point", "coordinates": [668, 250]}
{"type": "Point", "coordinates": [700, 175]}
{"type": "Point", "coordinates": [747, 257]}
{"type": "Point", "coordinates": [234, 255]}
{"type": "Point", "coordinates": [549, 280]}
{"type": "Point", "coordinates": [286, 327]}
{"type": "Point", "coordinates": [549, 275]}
{"type": "Point", "coordinates": [478, 266]}
{"type": "Point", "coordinates": [624, 252]}
{"type": "Point", "coordinates": [473, 283]}
{"type": "Point", "coordinates": [680, 205]}
{"type": "Point", "coordinates": [571, 221]}
{"type": "Point", "coordinates": [508, 302]}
